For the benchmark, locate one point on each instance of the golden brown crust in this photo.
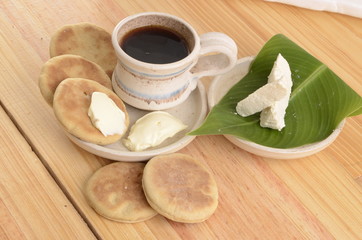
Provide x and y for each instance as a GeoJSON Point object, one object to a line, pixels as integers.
{"type": "Point", "coordinates": [72, 99]}
{"type": "Point", "coordinates": [180, 188]}
{"type": "Point", "coordinates": [65, 66]}
{"type": "Point", "coordinates": [87, 40]}
{"type": "Point", "coordinates": [115, 192]}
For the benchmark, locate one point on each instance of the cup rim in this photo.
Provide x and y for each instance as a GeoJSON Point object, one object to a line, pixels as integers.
{"type": "Point", "coordinates": [187, 60]}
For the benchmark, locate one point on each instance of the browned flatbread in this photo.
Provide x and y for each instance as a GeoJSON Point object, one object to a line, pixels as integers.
{"type": "Point", "coordinates": [72, 99]}
{"type": "Point", "coordinates": [115, 192]}
{"type": "Point", "coordinates": [65, 66]}
{"type": "Point", "coordinates": [180, 188]}
{"type": "Point", "coordinates": [86, 40]}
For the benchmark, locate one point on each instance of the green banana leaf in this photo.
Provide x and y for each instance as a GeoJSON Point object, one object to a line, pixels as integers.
{"type": "Point", "coordinates": [319, 101]}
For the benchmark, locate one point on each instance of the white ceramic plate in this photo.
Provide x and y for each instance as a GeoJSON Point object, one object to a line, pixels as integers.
{"type": "Point", "coordinates": [192, 112]}
{"type": "Point", "coordinates": [221, 85]}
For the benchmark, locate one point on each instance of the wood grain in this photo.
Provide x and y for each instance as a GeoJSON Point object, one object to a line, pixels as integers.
{"type": "Point", "coordinates": [32, 205]}
{"type": "Point", "coordinates": [317, 197]}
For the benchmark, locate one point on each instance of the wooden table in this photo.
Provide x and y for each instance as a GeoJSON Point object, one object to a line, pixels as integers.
{"type": "Point", "coordinates": [42, 172]}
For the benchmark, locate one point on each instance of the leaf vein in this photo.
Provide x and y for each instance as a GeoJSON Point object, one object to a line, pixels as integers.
{"type": "Point", "coordinates": [314, 75]}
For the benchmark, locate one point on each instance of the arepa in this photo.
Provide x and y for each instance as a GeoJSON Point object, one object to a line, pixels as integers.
{"type": "Point", "coordinates": [72, 99]}
{"type": "Point", "coordinates": [87, 40]}
{"type": "Point", "coordinates": [180, 188]}
{"type": "Point", "coordinates": [61, 67]}
{"type": "Point", "coordinates": [115, 192]}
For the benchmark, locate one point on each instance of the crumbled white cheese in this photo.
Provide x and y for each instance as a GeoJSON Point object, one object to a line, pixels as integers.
{"type": "Point", "coordinates": [151, 130]}
{"type": "Point", "coordinates": [261, 99]}
{"type": "Point", "coordinates": [273, 116]}
{"type": "Point", "coordinates": [105, 115]}
{"type": "Point", "coordinates": [271, 99]}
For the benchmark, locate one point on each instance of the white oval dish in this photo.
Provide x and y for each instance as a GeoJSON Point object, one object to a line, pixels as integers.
{"type": "Point", "coordinates": [191, 112]}
{"type": "Point", "coordinates": [221, 85]}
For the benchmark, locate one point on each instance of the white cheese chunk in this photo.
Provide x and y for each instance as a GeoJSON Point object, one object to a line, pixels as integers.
{"type": "Point", "coordinates": [271, 99]}
{"type": "Point", "coordinates": [261, 99]}
{"type": "Point", "coordinates": [105, 115]}
{"type": "Point", "coordinates": [151, 130]}
{"type": "Point", "coordinates": [273, 116]}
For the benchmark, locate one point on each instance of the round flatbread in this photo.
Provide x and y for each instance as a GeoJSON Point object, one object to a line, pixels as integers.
{"type": "Point", "coordinates": [72, 99]}
{"type": "Point", "coordinates": [115, 192]}
{"type": "Point", "coordinates": [65, 66]}
{"type": "Point", "coordinates": [180, 188]}
{"type": "Point", "coordinates": [86, 40]}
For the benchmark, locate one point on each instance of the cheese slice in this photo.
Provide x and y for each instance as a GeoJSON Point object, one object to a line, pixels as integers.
{"type": "Point", "coordinates": [105, 115]}
{"type": "Point", "coordinates": [151, 130]}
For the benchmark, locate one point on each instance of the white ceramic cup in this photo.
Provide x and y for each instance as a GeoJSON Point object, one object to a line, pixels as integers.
{"type": "Point", "coordinates": [151, 86]}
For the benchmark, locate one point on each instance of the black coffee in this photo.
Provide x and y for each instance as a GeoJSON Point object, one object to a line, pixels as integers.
{"type": "Point", "coordinates": [155, 44]}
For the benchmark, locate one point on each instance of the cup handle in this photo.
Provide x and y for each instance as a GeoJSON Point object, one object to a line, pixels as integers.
{"type": "Point", "coordinates": [218, 54]}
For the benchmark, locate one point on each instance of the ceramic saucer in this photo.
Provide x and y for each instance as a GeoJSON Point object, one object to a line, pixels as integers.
{"type": "Point", "coordinates": [191, 112]}
{"type": "Point", "coordinates": [221, 85]}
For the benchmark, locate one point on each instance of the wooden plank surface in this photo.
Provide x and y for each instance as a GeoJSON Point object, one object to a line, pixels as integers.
{"type": "Point", "coordinates": [32, 206]}
{"type": "Point", "coordinates": [317, 197]}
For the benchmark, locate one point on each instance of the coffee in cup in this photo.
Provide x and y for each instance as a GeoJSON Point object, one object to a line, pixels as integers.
{"type": "Point", "coordinates": [161, 58]}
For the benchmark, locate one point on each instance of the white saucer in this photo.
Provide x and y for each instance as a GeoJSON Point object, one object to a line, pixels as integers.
{"type": "Point", "coordinates": [221, 85]}
{"type": "Point", "coordinates": [192, 112]}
